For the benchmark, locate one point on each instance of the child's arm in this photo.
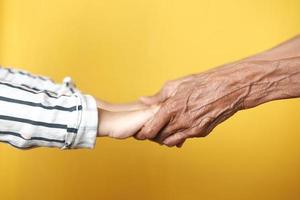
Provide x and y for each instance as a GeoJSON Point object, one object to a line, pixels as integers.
{"type": "Point", "coordinates": [36, 112]}
{"type": "Point", "coordinates": [123, 124]}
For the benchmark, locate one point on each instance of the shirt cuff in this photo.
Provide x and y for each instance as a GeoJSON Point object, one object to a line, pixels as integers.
{"type": "Point", "coordinates": [88, 123]}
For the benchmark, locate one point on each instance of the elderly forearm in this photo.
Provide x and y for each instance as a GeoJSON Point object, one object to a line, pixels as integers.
{"type": "Point", "coordinates": [287, 49]}
{"type": "Point", "coordinates": [270, 80]}
{"type": "Point", "coordinates": [269, 75]}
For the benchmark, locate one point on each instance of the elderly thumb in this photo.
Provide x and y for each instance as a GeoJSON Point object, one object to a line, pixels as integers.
{"type": "Point", "coordinates": [151, 100]}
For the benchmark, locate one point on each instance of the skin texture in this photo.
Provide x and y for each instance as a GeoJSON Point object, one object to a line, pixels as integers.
{"type": "Point", "coordinates": [194, 105]}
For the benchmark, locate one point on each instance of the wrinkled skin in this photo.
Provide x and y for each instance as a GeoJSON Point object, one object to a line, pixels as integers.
{"type": "Point", "coordinates": [193, 106]}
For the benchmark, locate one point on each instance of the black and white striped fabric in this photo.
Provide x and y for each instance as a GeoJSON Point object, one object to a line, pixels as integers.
{"type": "Point", "coordinates": [35, 111]}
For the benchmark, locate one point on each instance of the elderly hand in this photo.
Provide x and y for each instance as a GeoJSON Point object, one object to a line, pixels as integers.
{"type": "Point", "coordinates": [194, 105]}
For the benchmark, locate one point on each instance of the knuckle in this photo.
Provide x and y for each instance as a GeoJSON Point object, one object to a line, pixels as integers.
{"type": "Point", "coordinates": [166, 85]}
{"type": "Point", "coordinates": [147, 132]}
{"type": "Point", "coordinates": [151, 132]}
{"type": "Point", "coordinates": [151, 136]}
{"type": "Point", "coordinates": [144, 133]}
{"type": "Point", "coordinates": [171, 106]}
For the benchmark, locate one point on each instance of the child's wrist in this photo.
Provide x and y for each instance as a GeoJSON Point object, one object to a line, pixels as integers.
{"type": "Point", "coordinates": [100, 133]}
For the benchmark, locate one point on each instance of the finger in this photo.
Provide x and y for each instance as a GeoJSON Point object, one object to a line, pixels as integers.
{"type": "Point", "coordinates": [166, 132]}
{"type": "Point", "coordinates": [181, 124]}
{"type": "Point", "coordinates": [153, 126]}
{"type": "Point", "coordinates": [175, 139]}
{"type": "Point", "coordinates": [180, 144]}
{"type": "Point", "coordinates": [197, 131]}
{"type": "Point", "coordinates": [151, 100]}
{"type": "Point", "coordinates": [180, 137]}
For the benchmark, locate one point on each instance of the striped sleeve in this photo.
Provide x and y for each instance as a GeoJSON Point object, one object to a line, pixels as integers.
{"type": "Point", "coordinates": [37, 118]}
{"type": "Point", "coordinates": [34, 82]}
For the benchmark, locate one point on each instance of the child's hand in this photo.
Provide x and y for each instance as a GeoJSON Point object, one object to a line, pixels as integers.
{"type": "Point", "coordinates": [123, 124]}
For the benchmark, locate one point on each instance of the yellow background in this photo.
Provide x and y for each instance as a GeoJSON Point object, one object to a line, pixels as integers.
{"type": "Point", "coordinates": [120, 49]}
